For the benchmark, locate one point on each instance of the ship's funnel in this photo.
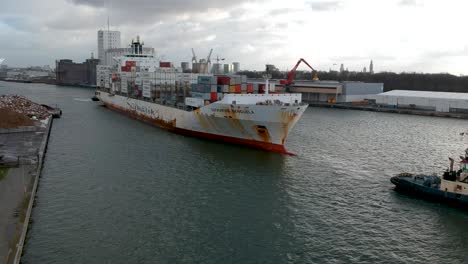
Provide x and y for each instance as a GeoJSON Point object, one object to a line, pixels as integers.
{"type": "Point", "coordinates": [451, 164]}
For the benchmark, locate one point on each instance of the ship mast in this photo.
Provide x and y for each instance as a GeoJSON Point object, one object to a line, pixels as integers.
{"type": "Point", "coordinates": [267, 76]}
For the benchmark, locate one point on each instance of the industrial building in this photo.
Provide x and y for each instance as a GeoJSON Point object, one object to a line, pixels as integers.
{"type": "Point", "coordinates": [236, 67]}
{"type": "Point", "coordinates": [70, 73]}
{"type": "Point", "coordinates": [333, 91]}
{"type": "Point", "coordinates": [424, 100]}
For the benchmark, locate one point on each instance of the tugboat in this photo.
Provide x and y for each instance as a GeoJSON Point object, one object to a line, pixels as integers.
{"type": "Point", "coordinates": [451, 188]}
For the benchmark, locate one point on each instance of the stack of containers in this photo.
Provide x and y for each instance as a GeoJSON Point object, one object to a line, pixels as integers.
{"type": "Point", "coordinates": [223, 84]}
{"type": "Point", "coordinates": [235, 84]}
{"type": "Point", "coordinates": [128, 66]}
{"type": "Point", "coordinates": [146, 78]}
{"type": "Point", "coordinates": [123, 82]}
{"type": "Point", "coordinates": [206, 88]}
{"type": "Point", "coordinates": [243, 84]}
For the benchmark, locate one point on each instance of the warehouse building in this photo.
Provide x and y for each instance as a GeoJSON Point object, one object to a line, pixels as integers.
{"type": "Point", "coordinates": [70, 73]}
{"type": "Point", "coordinates": [424, 100]}
{"type": "Point", "coordinates": [333, 91]}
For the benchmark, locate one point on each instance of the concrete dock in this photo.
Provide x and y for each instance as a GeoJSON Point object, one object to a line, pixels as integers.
{"type": "Point", "coordinates": [22, 151]}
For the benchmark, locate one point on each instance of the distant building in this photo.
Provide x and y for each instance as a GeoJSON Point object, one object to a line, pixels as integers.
{"type": "Point", "coordinates": [185, 66]}
{"type": "Point", "coordinates": [371, 67]}
{"type": "Point", "coordinates": [70, 73]}
{"type": "Point", "coordinates": [333, 91]}
{"type": "Point", "coordinates": [364, 70]}
{"type": "Point", "coordinates": [107, 40]}
{"type": "Point", "coordinates": [236, 67]}
{"type": "Point", "coordinates": [227, 68]}
{"type": "Point", "coordinates": [217, 68]}
{"type": "Point", "coordinates": [425, 100]}
{"type": "Point", "coordinates": [342, 68]}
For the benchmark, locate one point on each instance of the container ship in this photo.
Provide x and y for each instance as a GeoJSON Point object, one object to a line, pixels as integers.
{"type": "Point", "coordinates": [223, 108]}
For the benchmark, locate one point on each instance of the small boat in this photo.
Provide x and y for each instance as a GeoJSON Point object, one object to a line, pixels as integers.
{"type": "Point", "coordinates": [451, 187]}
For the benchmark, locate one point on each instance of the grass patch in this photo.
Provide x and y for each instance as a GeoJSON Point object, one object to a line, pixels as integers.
{"type": "Point", "coordinates": [3, 173]}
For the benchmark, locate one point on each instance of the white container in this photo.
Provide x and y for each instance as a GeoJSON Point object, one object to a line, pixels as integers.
{"type": "Point", "coordinates": [123, 84]}
{"type": "Point", "coordinates": [194, 102]}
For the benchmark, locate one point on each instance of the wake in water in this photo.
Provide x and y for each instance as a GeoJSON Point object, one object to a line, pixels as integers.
{"type": "Point", "coordinates": [82, 99]}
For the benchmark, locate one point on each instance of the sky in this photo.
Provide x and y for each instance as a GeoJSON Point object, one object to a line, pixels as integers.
{"type": "Point", "coordinates": [398, 35]}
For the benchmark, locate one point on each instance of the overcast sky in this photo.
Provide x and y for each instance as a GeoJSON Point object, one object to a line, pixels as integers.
{"type": "Point", "coordinates": [399, 35]}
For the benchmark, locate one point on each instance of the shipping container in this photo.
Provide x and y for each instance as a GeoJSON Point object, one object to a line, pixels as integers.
{"type": "Point", "coordinates": [130, 64]}
{"type": "Point", "coordinates": [261, 88]}
{"type": "Point", "coordinates": [238, 88]}
{"type": "Point", "coordinates": [250, 88]}
{"type": "Point", "coordinates": [244, 78]}
{"type": "Point", "coordinates": [220, 96]}
{"type": "Point", "coordinates": [223, 80]}
{"type": "Point", "coordinates": [123, 84]}
{"type": "Point", "coordinates": [163, 64]}
{"type": "Point", "coordinates": [272, 87]}
{"type": "Point", "coordinates": [201, 88]}
{"type": "Point", "coordinates": [244, 87]}
{"type": "Point", "coordinates": [232, 88]}
{"type": "Point", "coordinates": [213, 96]}
{"type": "Point", "coordinates": [195, 102]}
{"type": "Point", "coordinates": [225, 88]}
{"type": "Point", "coordinates": [204, 96]}
{"type": "Point", "coordinates": [206, 79]}
{"type": "Point", "coordinates": [214, 88]}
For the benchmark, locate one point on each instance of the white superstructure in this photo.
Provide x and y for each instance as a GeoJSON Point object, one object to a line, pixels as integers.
{"type": "Point", "coordinates": [111, 54]}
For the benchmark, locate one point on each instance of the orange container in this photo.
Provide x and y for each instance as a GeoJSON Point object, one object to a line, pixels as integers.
{"type": "Point", "coordinates": [238, 88]}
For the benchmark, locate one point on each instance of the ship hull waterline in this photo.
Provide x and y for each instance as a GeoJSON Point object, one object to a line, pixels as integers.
{"type": "Point", "coordinates": [170, 126]}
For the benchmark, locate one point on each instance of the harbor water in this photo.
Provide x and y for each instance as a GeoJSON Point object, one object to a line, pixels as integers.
{"type": "Point", "coordinates": [115, 190]}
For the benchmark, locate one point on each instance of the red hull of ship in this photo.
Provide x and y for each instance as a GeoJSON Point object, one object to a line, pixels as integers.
{"type": "Point", "coordinates": [231, 140]}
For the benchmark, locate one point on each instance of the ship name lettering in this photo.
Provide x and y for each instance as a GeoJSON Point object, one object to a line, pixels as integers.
{"type": "Point", "coordinates": [237, 111]}
{"type": "Point", "coordinates": [141, 109]}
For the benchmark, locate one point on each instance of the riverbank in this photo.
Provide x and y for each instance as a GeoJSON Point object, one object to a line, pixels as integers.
{"type": "Point", "coordinates": [377, 108]}
{"type": "Point", "coordinates": [22, 151]}
{"type": "Point", "coordinates": [24, 132]}
{"type": "Point", "coordinates": [48, 81]}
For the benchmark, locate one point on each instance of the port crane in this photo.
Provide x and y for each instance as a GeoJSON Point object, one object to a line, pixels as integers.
{"type": "Point", "coordinates": [290, 79]}
{"type": "Point", "coordinates": [194, 57]}
{"type": "Point", "coordinates": [208, 59]}
{"type": "Point", "coordinates": [219, 59]}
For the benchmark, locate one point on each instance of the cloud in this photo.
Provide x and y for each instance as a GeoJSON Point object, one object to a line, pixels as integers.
{"type": "Point", "coordinates": [124, 11]}
{"type": "Point", "coordinates": [325, 5]}
{"type": "Point", "coordinates": [19, 23]}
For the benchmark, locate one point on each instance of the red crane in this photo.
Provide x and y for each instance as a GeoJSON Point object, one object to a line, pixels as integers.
{"type": "Point", "coordinates": [290, 79]}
